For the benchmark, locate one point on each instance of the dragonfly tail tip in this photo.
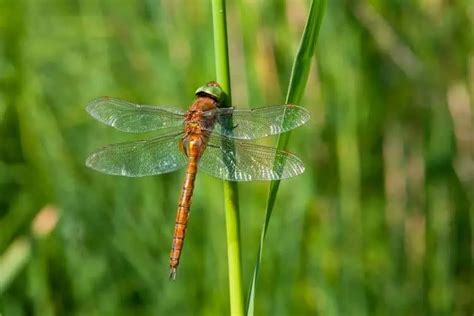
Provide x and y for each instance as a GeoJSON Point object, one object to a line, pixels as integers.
{"type": "Point", "coordinates": [173, 273]}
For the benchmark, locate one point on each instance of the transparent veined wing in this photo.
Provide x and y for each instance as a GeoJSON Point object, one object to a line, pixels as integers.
{"type": "Point", "coordinates": [243, 161]}
{"type": "Point", "coordinates": [139, 158]}
{"type": "Point", "coordinates": [259, 122]}
{"type": "Point", "coordinates": [133, 118]}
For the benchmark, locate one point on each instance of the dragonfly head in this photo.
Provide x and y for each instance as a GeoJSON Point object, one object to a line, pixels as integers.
{"type": "Point", "coordinates": [212, 90]}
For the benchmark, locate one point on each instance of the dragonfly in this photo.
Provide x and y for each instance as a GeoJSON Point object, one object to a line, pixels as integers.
{"type": "Point", "coordinates": [208, 136]}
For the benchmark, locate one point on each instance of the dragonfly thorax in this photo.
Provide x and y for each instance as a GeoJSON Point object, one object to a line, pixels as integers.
{"type": "Point", "coordinates": [201, 115]}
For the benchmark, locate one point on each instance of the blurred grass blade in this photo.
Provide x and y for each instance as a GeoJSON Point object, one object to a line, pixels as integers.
{"type": "Point", "coordinates": [230, 188]}
{"type": "Point", "coordinates": [298, 79]}
{"type": "Point", "coordinates": [13, 260]}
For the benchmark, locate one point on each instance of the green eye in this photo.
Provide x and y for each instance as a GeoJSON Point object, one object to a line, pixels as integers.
{"type": "Point", "coordinates": [211, 89]}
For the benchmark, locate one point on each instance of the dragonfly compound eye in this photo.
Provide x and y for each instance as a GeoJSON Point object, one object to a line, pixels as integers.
{"type": "Point", "coordinates": [213, 91]}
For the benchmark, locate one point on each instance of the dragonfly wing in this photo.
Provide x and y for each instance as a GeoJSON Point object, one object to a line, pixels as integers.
{"type": "Point", "coordinates": [139, 158]}
{"type": "Point", "coordinates": [243, 161]}
{"type": "Point", "coordinates": [131, 117]}
{"type": "Point", "coordinates": [259, 122]}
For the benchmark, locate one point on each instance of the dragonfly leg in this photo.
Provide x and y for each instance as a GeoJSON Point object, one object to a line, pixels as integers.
{"type": "Point", "coordinates": [213, 146]}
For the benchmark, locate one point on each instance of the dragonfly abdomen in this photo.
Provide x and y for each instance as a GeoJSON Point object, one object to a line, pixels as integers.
{"type": "Point", "coordinates": [182, 215]}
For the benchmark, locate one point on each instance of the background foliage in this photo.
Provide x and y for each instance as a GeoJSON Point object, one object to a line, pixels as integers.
{"type": "Point", "coordinates": [380, 223]}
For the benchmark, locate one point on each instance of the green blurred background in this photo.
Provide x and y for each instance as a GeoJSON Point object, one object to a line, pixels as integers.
{"type": "Point", "coordinates": [381, 223]}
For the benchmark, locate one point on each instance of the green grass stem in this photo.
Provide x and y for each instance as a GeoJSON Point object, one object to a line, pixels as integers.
{"type": "Point", "coordinates": [230, 188]}
{"type": "Point", "coordinates": [298, 79]}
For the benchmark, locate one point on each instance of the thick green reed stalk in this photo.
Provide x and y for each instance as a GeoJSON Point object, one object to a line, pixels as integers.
{"type": "Point", "coordinates": [230, 188]}
{"type": "Point", "coordinates": [298, 79]}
